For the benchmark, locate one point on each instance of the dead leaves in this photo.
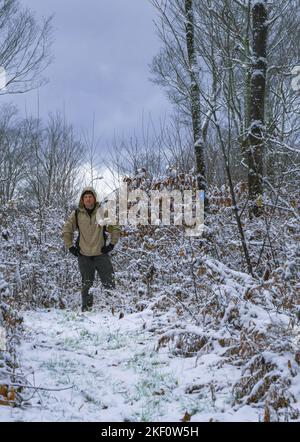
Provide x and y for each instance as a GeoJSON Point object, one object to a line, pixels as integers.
{"type": "Point", "coordinates": [186, 417]}
{"type": "Point", "coordinates": [7, 395]}
{"type": "Point", "coordinates": [201, 271]}
{"type": "Point", "coordinates": [113, 311]}
{"type": "Point", "coordinates": [267, 417]}
{"type": "Point", "coordinates": [297, 357]}
{"type": "Point", "coordinates": [266, 276]}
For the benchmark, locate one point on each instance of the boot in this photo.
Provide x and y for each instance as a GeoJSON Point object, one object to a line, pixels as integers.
{"type": "Point", "coordinates": [87, 302]}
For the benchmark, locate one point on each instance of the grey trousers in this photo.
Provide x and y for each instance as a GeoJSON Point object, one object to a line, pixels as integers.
{"type": "Point", "coordinates": [88, 266]}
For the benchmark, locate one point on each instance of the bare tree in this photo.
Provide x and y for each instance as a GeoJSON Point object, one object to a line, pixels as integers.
{"type": "Point", "coordinates": [92, 164]}
{"type": "Point", "coordinates": [57, 156]}
{"type": "Point", "coordinates": [257, 104]}
{"type": "Point", "coordinates": [195, 96]}
{"type": "Point", "coordinates": [250, 115]}
{"type": "Point", "coordinates": [24, 47]}
{"type": "Point", "coordinates": [223, 39]}
{"type": "Point", "coordinates": [138, 151]}
{"type": "Point", "coordinates": [13, 152]}
{"type": "Point", "coordinates": [176, 67]}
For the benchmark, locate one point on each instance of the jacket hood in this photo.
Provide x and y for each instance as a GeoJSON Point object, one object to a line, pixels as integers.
{"type": "Point", "coordinates": [88, 189]}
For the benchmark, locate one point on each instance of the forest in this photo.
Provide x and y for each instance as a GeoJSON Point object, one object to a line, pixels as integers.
{"type": "Point", "coordinates": [201, 328]}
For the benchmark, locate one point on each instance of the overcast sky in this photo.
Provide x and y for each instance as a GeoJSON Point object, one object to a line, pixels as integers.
{"type": "Point", "coordinates": [101, 52]}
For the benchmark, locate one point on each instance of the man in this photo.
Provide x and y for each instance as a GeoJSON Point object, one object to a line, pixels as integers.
{"type": "Point", "coordinates": [92, 251]}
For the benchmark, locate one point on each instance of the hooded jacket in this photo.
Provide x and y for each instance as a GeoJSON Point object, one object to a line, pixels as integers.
{"type": "Point", "coordinates": [91, 234]}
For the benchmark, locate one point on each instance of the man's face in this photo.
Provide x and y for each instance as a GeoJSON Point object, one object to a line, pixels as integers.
{"type": "Point", "coordinates": [89, 200]}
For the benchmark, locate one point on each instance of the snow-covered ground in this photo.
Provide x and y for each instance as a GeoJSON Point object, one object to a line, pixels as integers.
{"type": "Point", "coordinates": [97, 367]}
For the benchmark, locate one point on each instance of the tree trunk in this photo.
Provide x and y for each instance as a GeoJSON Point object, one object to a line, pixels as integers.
{"type": "Point", "coordinates": [195, 99]}
{"type": "Point", "coordinates": [257, 106]}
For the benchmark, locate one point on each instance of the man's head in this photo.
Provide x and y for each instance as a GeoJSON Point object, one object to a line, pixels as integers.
{"type": "Point", "coordinates": [89, 200]}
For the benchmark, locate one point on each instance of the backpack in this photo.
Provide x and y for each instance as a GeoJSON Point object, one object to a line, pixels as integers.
{"type": "Point", "coordinates": [104, 231]}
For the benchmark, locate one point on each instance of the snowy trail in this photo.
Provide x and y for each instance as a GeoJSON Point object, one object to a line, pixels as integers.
{"type": "Point", "coordinates": [115, 373]}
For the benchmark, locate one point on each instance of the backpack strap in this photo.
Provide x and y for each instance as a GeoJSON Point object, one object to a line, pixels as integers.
{"type": "Point", "coordinates": [76, 218]}
{"type": "Point", "coordinates": [104, 231]}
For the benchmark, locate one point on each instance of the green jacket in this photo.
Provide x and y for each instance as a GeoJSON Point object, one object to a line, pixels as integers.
{"type": "Point", "coordinates": [91, 234]}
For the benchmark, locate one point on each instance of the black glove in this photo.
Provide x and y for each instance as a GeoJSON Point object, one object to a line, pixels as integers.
{"type": "Point", "coordinates": [107, 249]}
{"type": "Point", "coordinates": [74, 251]}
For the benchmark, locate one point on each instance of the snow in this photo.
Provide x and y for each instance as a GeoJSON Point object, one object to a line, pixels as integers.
{"type": "Point", "coordinates": [258, 73]}
{"type": "Point", "coordinates": [114, 373]}
{"type": "Point", "coordinates": [211, 341]}
{"type": "Point", "coordinates": [258, 3]}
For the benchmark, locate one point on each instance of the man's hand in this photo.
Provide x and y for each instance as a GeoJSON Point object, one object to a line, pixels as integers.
{"type": "Point", "coordinates": [107, 249]}
{"type": "Point", "coordinates": [74, 251]}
